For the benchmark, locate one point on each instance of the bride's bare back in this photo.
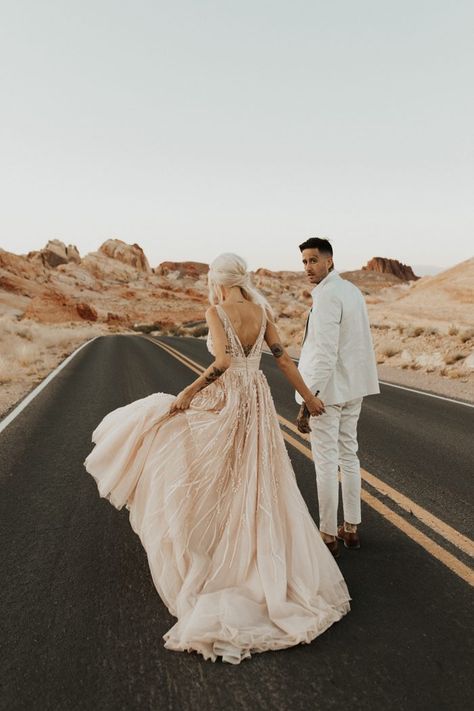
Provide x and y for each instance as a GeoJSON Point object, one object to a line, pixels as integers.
{"type": "Point", "coordinates": [246, 318]}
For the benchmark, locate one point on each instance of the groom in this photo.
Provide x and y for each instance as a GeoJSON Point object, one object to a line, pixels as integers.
{"type": "Point", "coordinates": [337, 363]}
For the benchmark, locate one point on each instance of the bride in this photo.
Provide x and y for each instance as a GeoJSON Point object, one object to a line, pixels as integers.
{"type": "Point", "coordinates": [232, 548]}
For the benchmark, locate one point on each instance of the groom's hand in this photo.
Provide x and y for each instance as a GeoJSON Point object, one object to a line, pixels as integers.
{"type": "Point", "coordinates": [302, 420]}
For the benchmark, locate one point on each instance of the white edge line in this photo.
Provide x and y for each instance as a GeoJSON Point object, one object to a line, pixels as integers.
{"type": "Point", "coordinates": [423, 392]}
{"type": "Point", "coordinates": [412, 390]}
{"type": "Point", "coordinates": [24, 403]}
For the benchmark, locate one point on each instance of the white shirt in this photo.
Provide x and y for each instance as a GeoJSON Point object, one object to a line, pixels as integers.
{"type": "Point", "coordinates": [337, 357]}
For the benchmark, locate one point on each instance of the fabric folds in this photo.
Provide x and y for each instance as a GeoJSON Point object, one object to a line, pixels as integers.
{"type": "Point", "coordinates": [232, 548]}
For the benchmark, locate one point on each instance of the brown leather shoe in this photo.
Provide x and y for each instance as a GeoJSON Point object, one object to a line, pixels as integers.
{"type": "Point", "coordinates": [333, 547]}
{"type": "Point", "coordinates": [351, 540]}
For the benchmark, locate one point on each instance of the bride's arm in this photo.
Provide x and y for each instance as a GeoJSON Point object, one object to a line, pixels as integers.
{"type": "Point", "coordinates": [286, 364]}
{"type": "Point", "coordinates": [216, 369]}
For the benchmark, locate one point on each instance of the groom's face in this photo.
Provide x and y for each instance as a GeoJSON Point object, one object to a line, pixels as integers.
{"type": "Point", "coordinates": [316, 265]}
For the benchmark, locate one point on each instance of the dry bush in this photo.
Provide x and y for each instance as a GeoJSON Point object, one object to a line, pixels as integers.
{"type": "Point", "coordinates": [451, 358]}
{"type": "Point", "coordinates": [453, 330]}
{"type": "Point", "coordinates": [467, 334]}
{"type": "Point", "coordinates": [6, 371]}
{"type": "Point", "coordinates": [25, 354]}
{"type": "Point", "coordinates": [176, 330]}
{"type": "Point", "coordinates": [381, 326]}
{"type": "Point", "coordinates": [415, 331]}
{"type": "Point", "coordinates": [199, 331]}
{"type": "Point", "coordinates": [455, 373]}
{"type": "Point", "coordinates": [400, 328]}
{"type": "Point", "coordinates": [389, 349]}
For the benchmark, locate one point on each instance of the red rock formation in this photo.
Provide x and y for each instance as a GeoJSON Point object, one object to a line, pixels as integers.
{"type": "Point", "coordinates": [52, 307]}
{"type": "Point", "coordinates": [86, 311]}
{"type": "Point", "coordinates": [131, 254]}
{"type": "Point", "coordinates": [265, 272]}
{"type": "Point", "coordinates": [185, 269]}
{"type": "Point", "coordinates": [390, 266]}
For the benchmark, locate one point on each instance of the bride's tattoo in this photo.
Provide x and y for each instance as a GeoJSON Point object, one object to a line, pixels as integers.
{"type": "Point", "coordinates": [277, 350]}
{"type": "Point", "coordinates": [213, 375]}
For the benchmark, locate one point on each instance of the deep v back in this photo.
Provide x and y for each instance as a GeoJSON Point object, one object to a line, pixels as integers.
{"type": "Point", "coordinates": [237, 348]}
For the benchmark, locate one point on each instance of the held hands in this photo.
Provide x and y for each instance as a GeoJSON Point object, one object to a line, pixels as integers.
{"type": "Point", "coordinates": [315, 406]}
{"type": "Point", "coordinates": [312, 407]}
{"type": "Point", "coordinates": [302, 420]}
{"type": "Point", "coordinates": [182, 402]}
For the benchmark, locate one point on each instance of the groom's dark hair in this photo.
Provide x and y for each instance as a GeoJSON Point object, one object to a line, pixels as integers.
{"type": "Point", "coordinates": [323, 245]}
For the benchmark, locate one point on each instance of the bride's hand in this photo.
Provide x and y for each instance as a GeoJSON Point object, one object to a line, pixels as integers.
{"type": "Point", "coordinates": [315, 406]}
{"type": "Point", "coordinates": [182, 402]}
{"type": "Point", "coordinates": [302, 420]}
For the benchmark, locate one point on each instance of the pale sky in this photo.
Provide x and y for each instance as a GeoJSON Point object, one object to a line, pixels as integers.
{"type": "Point", "coordinates": [194, 127]}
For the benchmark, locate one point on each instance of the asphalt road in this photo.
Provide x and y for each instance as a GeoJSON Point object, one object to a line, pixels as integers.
{"type": "Point", "coordinates": [81, 620]}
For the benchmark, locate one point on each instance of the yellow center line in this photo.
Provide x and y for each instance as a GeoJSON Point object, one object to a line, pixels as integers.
{"type": "Point", "coordinates": [431, 521]}
{"type": "Point", "coordinates": [443, 529]}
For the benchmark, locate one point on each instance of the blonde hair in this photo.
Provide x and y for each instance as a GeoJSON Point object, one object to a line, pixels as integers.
{"type": "Point", "coordinates": [231, 270]}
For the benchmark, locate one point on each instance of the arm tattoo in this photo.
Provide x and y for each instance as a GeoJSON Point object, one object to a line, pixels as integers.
{"type": "Point", "coordinates": [277, 350]}
{"type": "Point", "coordinates": [213, 375]}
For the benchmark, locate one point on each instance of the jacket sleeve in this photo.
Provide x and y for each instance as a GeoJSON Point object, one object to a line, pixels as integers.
{"type": "Point", "coordinates": [323, 330]}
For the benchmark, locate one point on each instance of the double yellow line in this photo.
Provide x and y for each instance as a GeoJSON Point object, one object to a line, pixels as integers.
{"type": "Point", "coordinates": [442, 529]}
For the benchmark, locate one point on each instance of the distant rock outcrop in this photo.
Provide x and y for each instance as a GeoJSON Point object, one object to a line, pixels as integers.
{"type": "Point", "coordinates": [56, 253]}
{"type": "Point", "coordinates": [390, 266]}
{"type": "Point", "coordinates": [186, 269]}
{"type": "Point", "coordinates": [131, 254]}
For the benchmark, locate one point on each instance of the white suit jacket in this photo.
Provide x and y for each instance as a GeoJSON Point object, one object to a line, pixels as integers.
{"type": "Point", "coordinates": [337, 356]}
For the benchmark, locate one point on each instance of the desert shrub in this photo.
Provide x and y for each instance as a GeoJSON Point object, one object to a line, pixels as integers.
{"type": "Point", "coordinates": [467, 334]}
{"type": "Point", "coordinates": [6, 374]}
{"type": "Point", "coordinates": [389, 349]}
{"type": "Point", "coordinates": [199, 331]}
{"type": "Point", "coordinates": [453, 330]}
{"type": "Point", "coordinates": [431, 331]}
{"type": "Point", "coordinates": [176, 330]}
{"type": "Point", "coordinates": [415, 331]}
{"type": "Point", "coordinates": [451, 358]}
{"type": "Point", "coordinates": [25, 354]}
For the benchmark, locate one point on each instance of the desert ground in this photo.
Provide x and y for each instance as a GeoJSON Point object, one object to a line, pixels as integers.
{"type": "Point", "coordinates": [53, 300]}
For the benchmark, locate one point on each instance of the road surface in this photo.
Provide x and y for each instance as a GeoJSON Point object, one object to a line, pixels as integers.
{"type": "Point", "coordinates": [82, 622]}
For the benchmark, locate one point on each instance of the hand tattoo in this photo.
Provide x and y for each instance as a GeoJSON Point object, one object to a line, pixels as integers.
{"type": "Point", "coordinates": [302, 420]}
{"type": "Point", "coordinates": [277, 350]}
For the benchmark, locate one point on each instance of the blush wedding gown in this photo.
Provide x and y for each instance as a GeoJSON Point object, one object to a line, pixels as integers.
{"type": "Point", "coordinates": [211, 492]}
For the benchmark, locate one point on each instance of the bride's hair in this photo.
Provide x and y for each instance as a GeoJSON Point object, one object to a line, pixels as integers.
{"type": "Point", "coordinates": [231, 270]}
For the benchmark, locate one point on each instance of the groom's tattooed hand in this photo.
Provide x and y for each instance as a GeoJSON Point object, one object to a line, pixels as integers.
{"type": "Point", "coordinates": [302, 421]}
{"type": "Point", "coordinates": [277, 350]}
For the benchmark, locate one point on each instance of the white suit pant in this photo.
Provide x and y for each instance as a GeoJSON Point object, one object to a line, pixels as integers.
{"type": "Point", "coordinates": [334, 443]}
